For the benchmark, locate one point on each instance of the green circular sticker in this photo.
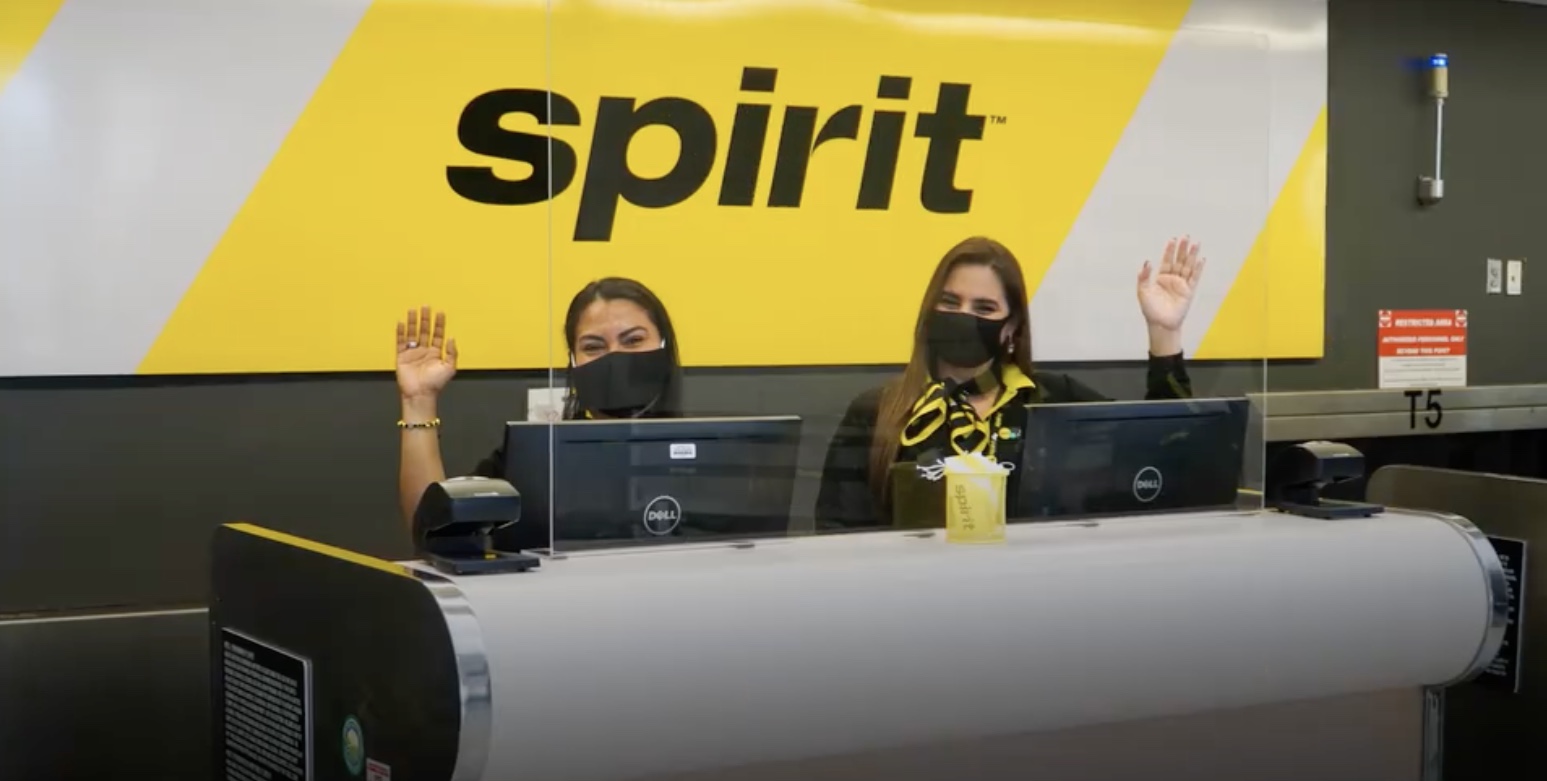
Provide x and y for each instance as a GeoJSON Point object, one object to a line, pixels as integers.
{"type": "Point", "coordinates": [354, 746]}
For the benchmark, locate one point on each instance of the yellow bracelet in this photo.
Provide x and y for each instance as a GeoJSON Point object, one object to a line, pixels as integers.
{"type": "Point", "coordinates": [431, 423]}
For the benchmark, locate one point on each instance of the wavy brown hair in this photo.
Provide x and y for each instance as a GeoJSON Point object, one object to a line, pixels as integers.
{"type": "Point", "coordinates": [898, 397]}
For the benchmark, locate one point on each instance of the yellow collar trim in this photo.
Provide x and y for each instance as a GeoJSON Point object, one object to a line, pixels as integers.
{"type": "Point", "coordinates": [1012, 381]}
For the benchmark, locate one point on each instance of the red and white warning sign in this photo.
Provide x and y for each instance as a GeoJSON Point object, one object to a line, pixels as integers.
{"type": "Point", "coordinates": [1422, 348]}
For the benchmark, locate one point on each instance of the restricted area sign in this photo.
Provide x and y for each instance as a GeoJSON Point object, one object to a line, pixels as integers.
{"type": "Point", "coordinates": [1422, 348]}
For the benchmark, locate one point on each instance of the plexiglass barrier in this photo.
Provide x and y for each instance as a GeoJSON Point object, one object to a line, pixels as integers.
{"type": "Point", "coordinates": [798, 267]}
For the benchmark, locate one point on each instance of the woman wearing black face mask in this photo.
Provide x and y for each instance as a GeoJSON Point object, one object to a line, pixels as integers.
{"type": "Point", "coordinates": [970, 377]}
{"type": "Point", "coordinates": [623, 364]}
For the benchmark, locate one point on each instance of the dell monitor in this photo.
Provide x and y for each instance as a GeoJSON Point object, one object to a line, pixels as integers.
{"type": "Point", "coordinates": [1130, 457]}
{"type": "Point", "coordinates": [612, 483]}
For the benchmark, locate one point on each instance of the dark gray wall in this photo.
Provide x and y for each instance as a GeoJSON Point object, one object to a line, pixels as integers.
{"type": "Point", "coordinates": [108, 698]}
{"type": "Point", "coordinates": [1386, 252]}
{"type": "Point", "coordinates": [109, 486]}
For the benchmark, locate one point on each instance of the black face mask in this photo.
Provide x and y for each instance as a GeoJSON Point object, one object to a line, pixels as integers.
{"type": "Point", "coordinates": [622, 384]}
{"type": "Point", "coordinates": [963, 340]}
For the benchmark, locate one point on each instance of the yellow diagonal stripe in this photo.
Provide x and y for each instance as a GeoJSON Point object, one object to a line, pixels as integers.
{"type": "Point", "coordinates": [1282, 285]}
{"type": "Point", "coordinates": [22, 23]}
{"type": "Point", "coordinates": [353, 221]}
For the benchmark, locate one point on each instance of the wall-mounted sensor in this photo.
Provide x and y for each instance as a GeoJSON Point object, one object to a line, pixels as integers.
{"type": "Point", "coordinates": [1437, 78]}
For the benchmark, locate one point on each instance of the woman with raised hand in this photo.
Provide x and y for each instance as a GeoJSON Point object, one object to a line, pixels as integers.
{"type": "Point", "coordinates": [970, 376]}
{"type": "Point", "coordinates": [623, 364]}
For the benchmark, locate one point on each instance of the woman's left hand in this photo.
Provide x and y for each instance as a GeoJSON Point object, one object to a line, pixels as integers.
{"type": "Point", "coordinates": [1165, 294]}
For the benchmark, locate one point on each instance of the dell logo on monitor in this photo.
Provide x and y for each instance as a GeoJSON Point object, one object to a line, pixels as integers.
{"type": "Point", "coordinates": [662, 515]}
{"type": "Point", "coordinates": [1146, 484]}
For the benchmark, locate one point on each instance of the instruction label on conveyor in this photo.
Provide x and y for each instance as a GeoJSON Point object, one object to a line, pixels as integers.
{"type": "Point", "coordinates": [267, 718]}
{"type": "Point", "coordinates": [1504, 672]}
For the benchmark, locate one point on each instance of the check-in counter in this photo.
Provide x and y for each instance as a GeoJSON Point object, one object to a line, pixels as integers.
{"type": "Point", "coordinates": [1493, 724]}
{"type": "Point", "coordinates": [1484, 429]}
{"type": "Point", "coordinates": [1403, 412]}
{"type": "Point", "coordinates": [1213, 645]}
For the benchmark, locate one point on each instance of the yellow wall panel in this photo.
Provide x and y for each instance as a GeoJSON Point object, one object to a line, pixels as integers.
{"type": "Point", "coordinates": [356, 219]}
{"type": "Point", "coordinates": [22, 23]}
{"type": "Point", "coordinates": [1276, 307]}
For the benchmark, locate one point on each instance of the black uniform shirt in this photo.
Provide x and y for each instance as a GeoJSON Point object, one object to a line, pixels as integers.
{"type": "Point", "coordinates": [845, 499]}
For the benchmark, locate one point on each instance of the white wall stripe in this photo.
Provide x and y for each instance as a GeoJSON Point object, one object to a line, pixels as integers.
{"type": "Point", "coordinates": [1210, 86]}
{"type": "Point", "coordinates": [133, 135]}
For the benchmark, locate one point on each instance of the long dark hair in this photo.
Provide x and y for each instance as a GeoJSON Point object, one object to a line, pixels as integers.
{"type": "Point", "coordinates": [669, 404]}
{"type": "Point", "coordinates": [898, 397]}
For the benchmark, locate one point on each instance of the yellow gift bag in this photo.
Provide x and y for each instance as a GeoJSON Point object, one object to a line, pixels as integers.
{"type": "Point", "coordinates": [975, 499]}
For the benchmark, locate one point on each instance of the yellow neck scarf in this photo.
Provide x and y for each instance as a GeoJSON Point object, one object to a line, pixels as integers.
{"type": "Point", "coordinates": [968, 432]}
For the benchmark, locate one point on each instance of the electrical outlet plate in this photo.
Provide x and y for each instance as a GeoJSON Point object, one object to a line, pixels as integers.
{"type": "Point", "coordinates": [1513, 271]}
{"type": "Point", "coordinates": [1495, 276]}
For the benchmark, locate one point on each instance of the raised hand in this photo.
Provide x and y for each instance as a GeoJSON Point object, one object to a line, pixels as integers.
{"type": "Point", "coordinates": [1165, 294]}
{"type": "Point", "coordinates": [426, 360]}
